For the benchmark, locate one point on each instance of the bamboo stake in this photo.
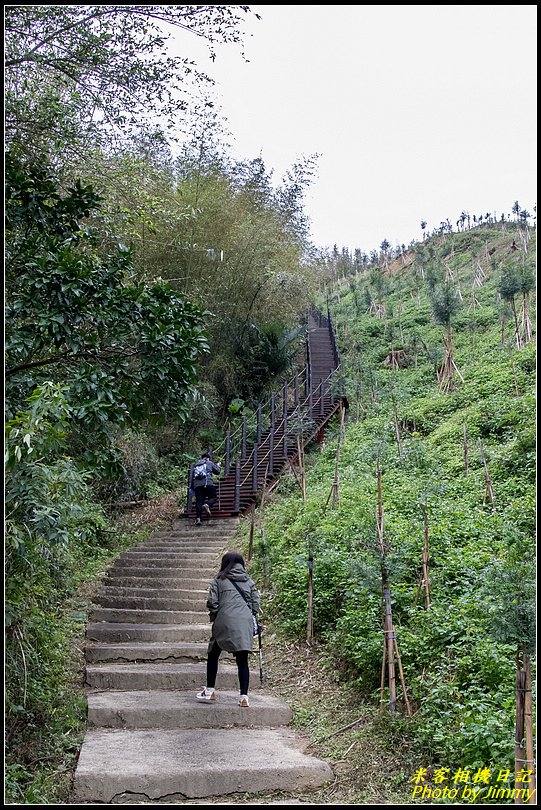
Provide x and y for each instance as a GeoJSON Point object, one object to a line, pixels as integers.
{"type": "Point", "coordinates": [382, 683]}
{"type": "Point", "coordinates": [528, 723]}
{"type": "Point", "coordinates": [402, 679]}
{"type": "Point", "coordinates": [488, 488]}
{"type": "Point", "coordinates": [519, 725]}
{"type": "Point", "coordinates": [310, 617]}
{"type": "Point", "coordinates": [300, 455]}
{"type": "Point", "coordinates": [425, 560]}
{"type": "Point", "coordinates": [251, 539]}
{"type": "Point", "coordinates": [389, 635]}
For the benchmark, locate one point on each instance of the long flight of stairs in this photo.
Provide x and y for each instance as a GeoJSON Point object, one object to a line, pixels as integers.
{"type": "Point", "coordinates": [148, 740]}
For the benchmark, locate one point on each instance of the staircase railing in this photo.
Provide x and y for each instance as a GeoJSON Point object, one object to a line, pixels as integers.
{"type": "Point", "coordinates": [262, 442]}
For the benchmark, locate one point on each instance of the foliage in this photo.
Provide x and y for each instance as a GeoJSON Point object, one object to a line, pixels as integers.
{"type": "Point", "coordinates": [126, 351]}
{"type": "Point", "coordinates": [76, 73]}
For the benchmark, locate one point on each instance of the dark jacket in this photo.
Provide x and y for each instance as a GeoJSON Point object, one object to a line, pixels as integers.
{"type": "Point", "coordinates": [212, 468]}
{"type": "Point", "coordinates": [232, 615]}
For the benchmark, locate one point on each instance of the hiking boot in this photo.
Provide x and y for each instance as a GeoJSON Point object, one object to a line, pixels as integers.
{"type": "Point", "coordinates": [206, 695]}
{"type": "Point", "coordinates": [244, 702]}
{"type": "Point", "coordinates": [198, 522]}
{"type": "Point", "coordinates": [206, 509]}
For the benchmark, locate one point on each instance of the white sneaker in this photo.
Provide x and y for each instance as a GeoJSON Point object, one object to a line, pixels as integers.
{"type": "Point", "coordinates": [198, 522]}
{"type": "Point", "coordinates": [244, 702]}
{"type": "Point", "coordinates": [206, 695]}
{"type": "Point", "coordinates": [206, 509]}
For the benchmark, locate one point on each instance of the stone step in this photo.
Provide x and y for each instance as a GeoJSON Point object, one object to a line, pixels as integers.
{"type": "Point", "coordinates": [184, 546]}
{"type": "Point", "coordinates": [159, 592]}
{"type": "Point", "coordinates": [113, 632]}
{"type": "Point", "coordinates": [145, 651]}
{"type": "Point", "coordinates": [176, 561]}
{"type": "Point", "coordinates": [194, 557]}
{"type": "Point", "coordinates": [173, 710]}
{"type": "Point", "coordinates": [191, 763]}
{"type": "Point", "coordinates": [112, 600]}
{"type": "Point", "coordinates": [131, 676]}
{"type": "Point", "coordinates": [156, 582]}
{"type": "Point", "coordinates": [118, 615]}
{"type": "Point", "coordinates": [179, 572]}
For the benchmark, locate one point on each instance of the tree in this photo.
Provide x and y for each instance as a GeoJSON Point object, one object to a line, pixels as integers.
{"type": "Point", "coordinates": [124, 350]}
{"type": "Point", "coordinates": [444, 304]}
{"type": "Point", "coordinates": [75, 71]}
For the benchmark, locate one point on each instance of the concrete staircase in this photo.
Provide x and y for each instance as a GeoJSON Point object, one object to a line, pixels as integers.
{"type": "Point", "coordinates": [148, 740]}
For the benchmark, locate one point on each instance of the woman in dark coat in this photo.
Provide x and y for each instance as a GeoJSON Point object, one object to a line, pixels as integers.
{"type": "Point", "coordinates": [231, 614]}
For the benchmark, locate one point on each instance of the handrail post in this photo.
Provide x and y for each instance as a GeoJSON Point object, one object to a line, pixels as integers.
{"type": "Point", "coordinates": [271, 435]}
{"type": "Point", "coordinates": [227, 465]}
{"type": "Point", "coordinates": [243, 444]}
{"type": "Point", "coordinates": [296, 390]}
{"type": "Point", "coordinates": [284, 404]}
{"type": "Point", "coordinates": [258, 434]}
{"type": "Point", "coordinates": [236, 505]}
{"type": "Point", "coordinates": [254, 470]}
{"type": "Point", "coordinates": [285, 435]}
{"type": "Point", "coordinates": [188, 495]}
{"type": "Point", "coordinates": [321, 396]}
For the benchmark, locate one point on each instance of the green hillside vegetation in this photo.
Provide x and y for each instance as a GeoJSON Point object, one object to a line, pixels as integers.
{"type": "Point", "coordinates": [460, 454]}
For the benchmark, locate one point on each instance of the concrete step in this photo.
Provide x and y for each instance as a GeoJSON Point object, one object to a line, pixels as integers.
{"type": "Point", "coordinates": [113, 632]}
{"type": "Point", "coordinates": [131, 676]}
{"type": "Point", "coordinates": [126, 615]}
{"type": "Point", "coordinates": [177, 556]}
{"type": "Point", "coordinates": [145, 651]}
{"type": "Point", "coordinates": [159, 592]}
{"type": "Point", "coordinates": [184, 546]}
{"type": "Point", "coordinates": [156, 582]}
{"type": "Point", "coordinates": [152, 560]}
{"type": "Point", "coordinates": [113, 600]}
{"type": "Point", "coordinates": [191, 763]}
{"type": "Point", "coordinates": [171, 710]}
{"type": "Point", "coordinates": [178, 572]}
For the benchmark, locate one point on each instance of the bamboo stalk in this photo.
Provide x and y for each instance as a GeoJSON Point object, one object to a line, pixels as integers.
{"type": "Point", "coordinates": [310, 616]}
{"type": "Point", "coordinates": [389, 633]}
{"type": "Point", "coordinates": [528, 724]}
{"type": "Point", "coordinates": [402, 678]}
{"type": "Point", "coordinates": [519, 726]}
{"type": "Point", "coordinates": [382, 683]}
{"type": "Point", "coordinates": [251, 538]}
{"type": "Point", "coordinates": [425, 560]}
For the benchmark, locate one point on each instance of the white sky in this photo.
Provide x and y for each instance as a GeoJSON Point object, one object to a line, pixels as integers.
{"type": "Point", "coordinates": [417, 112]}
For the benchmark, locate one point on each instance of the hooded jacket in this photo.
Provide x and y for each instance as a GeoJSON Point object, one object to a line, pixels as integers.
{"type": "Point", "coordinates": [232, 625]}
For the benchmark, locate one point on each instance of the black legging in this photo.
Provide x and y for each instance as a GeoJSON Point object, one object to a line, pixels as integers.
{"type": "Point", "coordinates": [242, 666]}
{"type": "Point", "coordinates": [202, 494]}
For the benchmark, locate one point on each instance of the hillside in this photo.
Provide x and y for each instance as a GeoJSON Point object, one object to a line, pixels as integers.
{"type": "Point", "coordinates": [451, 427]}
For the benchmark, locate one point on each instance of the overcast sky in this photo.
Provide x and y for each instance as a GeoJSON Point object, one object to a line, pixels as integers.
{"type": "Point", "coordinates": [417, 112]}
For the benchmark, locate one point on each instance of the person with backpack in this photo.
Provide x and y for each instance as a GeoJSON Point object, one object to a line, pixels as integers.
{"type": "Point", "coordinates": [203, 486]}
{"type": "Point", "coordinates": [232, 601]}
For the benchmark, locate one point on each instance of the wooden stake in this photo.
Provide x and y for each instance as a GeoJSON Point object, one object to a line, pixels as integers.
{"type": "Point", "coordinates": [528, 727]}
{"type": "Point", "coordinates": [383, 660]}
{"type": "Point", "coordinates": [402, 679]}
{"type": "Point", "coordinates": [251, 540]}
{"type": "Point", "coordinates": [310, 617]}
{"type": "Point", "coordinates": [425, 560]}
{"type": "Point", "coordinates": [389, 635]}
{"type": "Point", "coordinates": [488, 487]}
{"type": "Point", "coordinates": [519, 725]}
